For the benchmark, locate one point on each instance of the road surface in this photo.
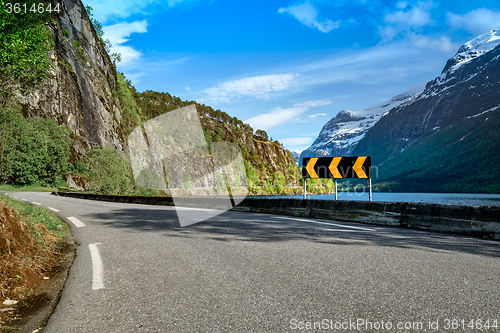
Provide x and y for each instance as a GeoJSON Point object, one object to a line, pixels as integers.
{"type": "Point", "coordinates": [136, 270]}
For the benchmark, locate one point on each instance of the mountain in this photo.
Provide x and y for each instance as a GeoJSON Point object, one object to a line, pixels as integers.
{"type": "Point", "coordinates": [342, 133]}
{"type": "Point", "coordinates": [296, 156]}
{"type": "Point", "coordinates": [445, 138]}
{"type": "Point", "coordinates": [82, 91]}
{"type": "Point", "coordinates": [79, 88]}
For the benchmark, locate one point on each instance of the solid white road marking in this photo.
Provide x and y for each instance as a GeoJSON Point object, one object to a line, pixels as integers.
{"type": "Point", "coordinates": [76, 222]}
{"type": "Point", "coordinates": [97, 268]}
{"type": "Point", "coordinates": [36, 203]}
{"type": "Point", "coordinates": [53, 209]}
{"type": "Point", "coordinates": [319, 222]}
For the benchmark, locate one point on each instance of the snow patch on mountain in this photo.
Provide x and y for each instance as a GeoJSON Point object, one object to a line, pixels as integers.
{"type": "Point", "coordinates": [473, 49]}
{"type": "Point", "coordinates": [340, 135]}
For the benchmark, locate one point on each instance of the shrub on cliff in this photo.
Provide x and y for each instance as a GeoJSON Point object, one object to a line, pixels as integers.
{"type": "Point", "coordinates": [24, 42]}
{"type": "Point", "coordinates": [130, 110]}
{"type": "Point", "coordinates": [108, 171]}
{"type": "Point", "coordinates": [32, 150]}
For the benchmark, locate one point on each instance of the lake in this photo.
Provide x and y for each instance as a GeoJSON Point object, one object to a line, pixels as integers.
{"type": "Point", "coordinates": [467, 199]}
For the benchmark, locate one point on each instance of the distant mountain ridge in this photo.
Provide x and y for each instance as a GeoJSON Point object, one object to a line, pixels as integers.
{"type": "Point", "coordinates": [464, 89]}
{"type": "Point", "coordinates": [342, 133]}
{"type": "Point", "coordinates": [443, 139]}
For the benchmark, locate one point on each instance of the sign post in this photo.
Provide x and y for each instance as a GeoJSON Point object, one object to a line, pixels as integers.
{"type": "Point", "coordinates": [335, 188]}
{"type": "Point", "coordinates": [336, 168]}
{"type": "Point", "coordinates": [370, 184]}
{"type": "Point", "coordinates": [305, 189]}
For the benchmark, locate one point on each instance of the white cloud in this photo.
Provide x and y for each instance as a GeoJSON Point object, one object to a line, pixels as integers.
{"type": "Point", "coordinates": [117, 35]}
{"type": "Point", "coordinates": [280, 116]}
{"type": "Point", "coordinates": [407, 23]}
{"type": "Point", "coordinates": [105, 10]}
{"type": "Point", "coordinates": [117, 9]}
{"type": "Point", "coordinates": [405, 20]}
{"type": "Point", "coordinates": [443, 44]}
{"type": "Point", "coordinates": [477, 22]}
{"type": "Point", "coordinates": [187, 88]}
{"type": "Point", "coordinates": [259, 87]}
{"type": "Point", "coordinates": [375, 65]}
{"type": "Point", "coordinates": [296, 141]}
{"type": "Point", "coordinates": [308, 15]}
{"type": "Point", "coordinates": [317, 115]}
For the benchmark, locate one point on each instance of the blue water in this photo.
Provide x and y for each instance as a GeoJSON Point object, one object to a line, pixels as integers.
{"type": "Point", "coordinates": [466, 199]}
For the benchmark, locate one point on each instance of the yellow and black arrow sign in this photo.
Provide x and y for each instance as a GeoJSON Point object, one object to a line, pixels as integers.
{"type": "Point", "coordinates": [337, 167]}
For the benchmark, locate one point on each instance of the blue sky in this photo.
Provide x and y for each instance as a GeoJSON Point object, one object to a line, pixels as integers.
{"type": "Point", "coordinates": [288, 66]}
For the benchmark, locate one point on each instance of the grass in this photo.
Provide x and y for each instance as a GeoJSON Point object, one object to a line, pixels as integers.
{"type": "Point", "coordinates": [31, 244]}
{"type": "Point", "coordinates": [31, 188]}
{"type": "Point", "coordinates": [37, 215]}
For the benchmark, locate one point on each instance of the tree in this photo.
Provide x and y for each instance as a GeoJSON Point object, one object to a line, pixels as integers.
{"type": "Point", "coordinates": [261, 134]}
{"type": "Point", "coordinates": [32, 150]}
{"type": "Point", "coordinates": [115, 57]}
{"type": "Point", "coordinates": [108, 171]}
{"type": "Point", "coordinates": [24, 42]}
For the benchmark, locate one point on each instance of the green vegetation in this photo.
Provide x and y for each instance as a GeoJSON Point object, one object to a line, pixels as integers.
{"type": "Point", "coordinates": [130, 111]}
{"type": "Point", "coordinates": [31, 243]}
{"type": "Point", "coordinates": [458, 158]}
{"type": "Point", "coordinates": [36, 215]}
{"type": "Point", "coordinates": [32, 150]}
{"type": "Point", "coordinates": [108, 171]}
{"type": "Point", "coordinates": [24, 42]}
{"type": "Point", "coordinates": [35, 153]}
{"type": "Point", "coordinates": [115, 57]}
{"type": "Point", "coordinates": [36, 187]}
{"type": "Point", "coordinates": [262, 176]}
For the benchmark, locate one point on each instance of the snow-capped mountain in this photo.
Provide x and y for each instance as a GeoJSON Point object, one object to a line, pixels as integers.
{"type": "Point", "coordinates": [340, 135]}
{"type": "Point", "coordinates": [296, 156]}
{"type": "Point", "coordinates": [467, 87]}
{"type": "Point", "coordinates": [445, 138]}
{"type": "Point", "coordinates": [473, 49]}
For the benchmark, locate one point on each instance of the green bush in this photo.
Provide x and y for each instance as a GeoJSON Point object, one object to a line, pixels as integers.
{"type": "Point", "coordinates": [279, 182]}
{"type": "Point", "coordinates": [108, 171]}
{"type": "Point", "coordinates": [131, 112]}
{"type": "Point", "coordinates": [32, 150]}
{"type": "Point", "coordinates": [24, 42]}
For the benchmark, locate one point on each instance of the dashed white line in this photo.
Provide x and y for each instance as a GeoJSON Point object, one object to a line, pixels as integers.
{"type": "Point", "coordinates": [76, 222]}
{"type": "Point", "coordinates": [319, 222]}
{"type": "Point", "coordinates": [97, 268]}
{"type": "Point", "coordinates": [16, 197]}
{"type": "Point", "coordinates": [53, 209]}
{"type": "Point", "coordinates": [36, 203]}
{"type": "Point", "coordinates": [24, 199]}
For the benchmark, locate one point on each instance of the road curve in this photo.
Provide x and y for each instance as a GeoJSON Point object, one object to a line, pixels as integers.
{"type": "Point", "coordinates": [136, 270]}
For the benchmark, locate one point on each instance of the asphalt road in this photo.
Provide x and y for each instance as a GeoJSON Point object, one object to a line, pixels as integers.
{"type": "Point", "coordinates": [241, 272]}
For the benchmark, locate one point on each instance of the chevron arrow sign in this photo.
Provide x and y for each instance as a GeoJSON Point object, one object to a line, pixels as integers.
{"type": "Point", "coordinates": [337, 167]}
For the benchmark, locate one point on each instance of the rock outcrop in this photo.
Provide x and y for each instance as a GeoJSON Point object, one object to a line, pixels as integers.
{"type": "Point", "coordinates": [78, 90]}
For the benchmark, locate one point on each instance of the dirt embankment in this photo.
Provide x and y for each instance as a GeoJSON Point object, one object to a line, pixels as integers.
{"type": "Point", "coordinates": [31, 256]}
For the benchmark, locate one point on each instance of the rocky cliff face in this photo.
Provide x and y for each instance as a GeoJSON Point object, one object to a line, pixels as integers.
{"type": "Point", "coordinates": [78, 89]}
{"type": "Point", "coordinates": [266, 156]}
